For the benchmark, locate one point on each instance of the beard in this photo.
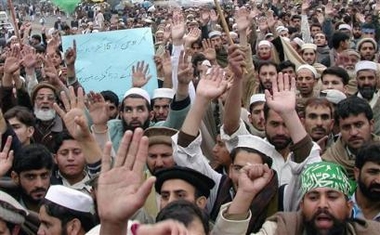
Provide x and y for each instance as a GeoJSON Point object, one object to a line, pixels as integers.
{"type": "Point", "coordinates": [338, 227]}
{"type": "Point", "coordinates": [28, 198]}
{"type": "Point", "coordinates": [351, 72]}
{"type": "Point", "coordinates": [367, 91]}
{"type": "Point", "coordinates": [44, 115]}
{"type": "Point", "coordinates": [279, 142]}
{"type": "Point", "coordinates": [369, 191]}
{"type": "Point", "coordinates": [128, 127]}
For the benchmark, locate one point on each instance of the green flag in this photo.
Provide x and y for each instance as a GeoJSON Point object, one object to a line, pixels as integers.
{"type": "Point", "coordinates": [67, 6]}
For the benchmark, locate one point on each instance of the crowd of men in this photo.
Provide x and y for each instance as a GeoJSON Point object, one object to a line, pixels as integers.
{"type": "Point", "coordinates": [275, 133]}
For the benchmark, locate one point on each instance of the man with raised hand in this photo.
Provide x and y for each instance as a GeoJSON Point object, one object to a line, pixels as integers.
{"type": "Point", "coordinates": [325, 205]}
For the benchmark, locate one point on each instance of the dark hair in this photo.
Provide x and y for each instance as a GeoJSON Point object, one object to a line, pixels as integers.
{"type": "Point", "coordinates": [264, 158]}
{"type": "Point", "coordinates": [337, 38]}
{"type": "Point", "coordinates": [23, 114]}
{"type": "Point", "coordinates": [197, 57]}
{"type": "Point", "coordinates": [368, 153]}
{"type": "Point", "coordinates": [184, 212]}
{"type": "Point", "coordinates": [316, 25]}
{"type": "Point", "coordinates": [266, 63]}
{"type": "Point", "coordinates": [285, 64]}
{"type": "Point", "coordinates": [295, 17]}
{"type": "Point", "coordinates": [37, 37]}
{"type": "Point", "coordinates": [135, 96]}
{"type": "Point", "coordinates": [319, 102]}
{"type": "Point", "coordinates": [32, 157]}
{"type": "Point", "coordinates": [65, 215]}
{"type": "Point", "coordinates": [353, 105]}
{"type": "Point", "coordinates": [337, 71]}
{"type": "Point", "coordinates": [110, 96]}
{"type": "Point", "coordinates": [58, 141]}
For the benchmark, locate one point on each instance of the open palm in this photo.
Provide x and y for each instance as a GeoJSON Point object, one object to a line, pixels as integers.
{"type": "Point", "coordinates": [213, 84]}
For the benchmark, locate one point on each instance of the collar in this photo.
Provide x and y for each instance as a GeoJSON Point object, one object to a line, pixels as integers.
{"type": "Point", "coordinates": [357, 212]}
{"type": "Point", "coordinates": [81, 185]}
{"type": "Point", "coordinates": [374, 99]}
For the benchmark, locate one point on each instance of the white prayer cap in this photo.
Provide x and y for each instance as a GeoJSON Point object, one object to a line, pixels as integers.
{"type": "Point", "coordinates": [70, 198]}
{"type": "Point", "coordinates": [206, 63]}
{"type": "Point", "coordinates": [310, 68]}
{"type": "Point", "coordinates": [163, 93]}
{"type": "Point", "coordinates": [256, 98]}
{"type": "Point", "coordinates": [264, 43]}
{"type": "Point", "coordinates": [51, 31]}
{"type": "Point", "coordinates": [11, 210]}
{"type": "Point", "coordinates": [365, 65]}
{"type": "Point", "coordinates": [334, 96]}
{"type": "Point", "coordinates": [267, 35]}
{"type": "Point", "coordinates": [299, 41]}
{"type": "Point", "coordinates": [233, 34]}
{"type": "Point", "coordinates": [281, 28]}
{"type": "Point", "coordinates": [256, 143]}
{"type": "Point", "coordinates": [344, 27]}
{"type": "Point", "coordinates": [214, 34]}
{"type": "Point", "coordinates": [309, 46]}
{"type": "Point", "coordinates": [138, 91]}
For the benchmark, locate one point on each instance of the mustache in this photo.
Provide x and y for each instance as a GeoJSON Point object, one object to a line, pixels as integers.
{"type": "Point", "coordinates": [39, 190]}
{"type": "Point", "coordinates": [319, 129]}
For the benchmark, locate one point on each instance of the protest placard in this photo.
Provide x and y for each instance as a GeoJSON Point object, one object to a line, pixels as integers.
{"type": "Point", "coordinates": [105, 59]}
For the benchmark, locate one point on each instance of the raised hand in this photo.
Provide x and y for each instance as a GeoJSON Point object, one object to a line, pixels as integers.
{"type": "Point", "coordinates": [263, 25]}
{"type": "Point", "coordinates": [243, 20]}
{"type": "Point", "coordinates": [73, 115]}
{"type": "Point", "coordinates": [271, 21]}
{"type": "Point", "coordinates": [213, 16]}
{"type": "Point", "coordinates": [213, 84]}
{"type": "Point", "coordinates": [305, 6]}
{"type": "Point", "coordinates": [178, 27]}
{"type": "Point", "coordinates": [121, 191]}
{"type": "Point", "coordinates": [167, 64]}
{"type": "Point", "coordinates": [253, 178]}
{"type": "Point", "coordinates": [185, 69]}
{"type": "Point", "coordinates": [283, 99]}
{"type": "Point", "coordinates": [51, 73]}
{"type": "Point", "coordinates": [71, 55]}
{"type": "Point", "coordinates": [208, 49]}
{"type": "Point", "coordinates": [236, 60]}
{"type": "Point", "coordinates": [97, 108]}
{"type": "Point", "coordinates": [29, 57]}
{"type": "Point", "coordinates": [205, 17]}
{"type": "Point", "coordinates": [140, 75]}
{"type": "Point", "coordinates": [6, 157]}
{"type": "Point", "coordinates": [12, 61]}
{"type": "Point", "coordinates": [329, 10]}
{"type": "Point", "coordinates": [254, 12]}
{"type": "Point", "coordinates": [167, 33]}
{"type": "Point", "coordinates": [192, 36]}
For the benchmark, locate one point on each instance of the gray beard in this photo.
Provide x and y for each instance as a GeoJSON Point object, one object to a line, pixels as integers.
{"type": "Point", "coordinates": [44, 115]}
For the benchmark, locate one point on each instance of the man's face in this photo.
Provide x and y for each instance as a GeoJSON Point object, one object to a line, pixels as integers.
{"type": "Point", "coordinates": [296, 23]}
{"type": "Point", "coordinates": [325, 209]}
{"type": "Point", "coordinates": [289, 70]}
{"type": "Point", "coordinates": [112, 110]}
{"type": "Point", "coordinates": [176, 189]}
{"type": "Point", "coordinates": [308, 55]}
{"type": "Point", "coordinates": [305, 82]}
{"type": "Point", "coordinates": [368, 179]}
{"type": "Point", "coordinates": [276, 131]}
{"type": "Point", "coordinates": [266, 73]}
{"type": "Point", "coordinates": [135, 113]}
{"type": "Point", "coordinates": [320, 40]}
{"type": "Point", "coordinates": [159, 37]}
{"type": "Point", "coordinates": [264, 52]}
{"type": "Point", "coordinates": [355, 131]}
{"type": "Point", "coordinates": [55, 59]}
{"type": "Point", "coordinates": [33, 184]}
{"type": "Point", "coordinates": [284, 34]}
{"type": "Point", "coordinates": [366, 82]}
{"type": "Point", "coordinates": [367, 51]}
{"type": "Point", "coordinates": [318, 121]}
{"type": "Point", "coordinates": [23, 132]}
{"type": "Point", "coordinates": [350, 63]}
{"type": "Point", "coordinates": [161, 109]}
{"type": "Point", "coordinates": [4, 230]}
{"type": "Point", "coordinates": [43, 104]}
{"type": "Point", "coordinates": [242, 158]}
{"type": "Point", "coordinates": [70, 159]}
{"type": "Point", "coordinates": [220, 153]}
{"type": "Point", "coordinates": [356, 32]}
{"type": "Point", "coordinates": [331, 81]}
{"type": "Point", "coordinates": [217, 41]}
{"type": "Point", "coordinates": [49, 224]}
{"type": "Point", "coordinates": [257, 116]}
{"type": "Point", "coordinates": [369, 34]}
{"type": "Point", "coordinates": [160, 156]}
{"type": "Point", "coordinates": [314, 30]}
